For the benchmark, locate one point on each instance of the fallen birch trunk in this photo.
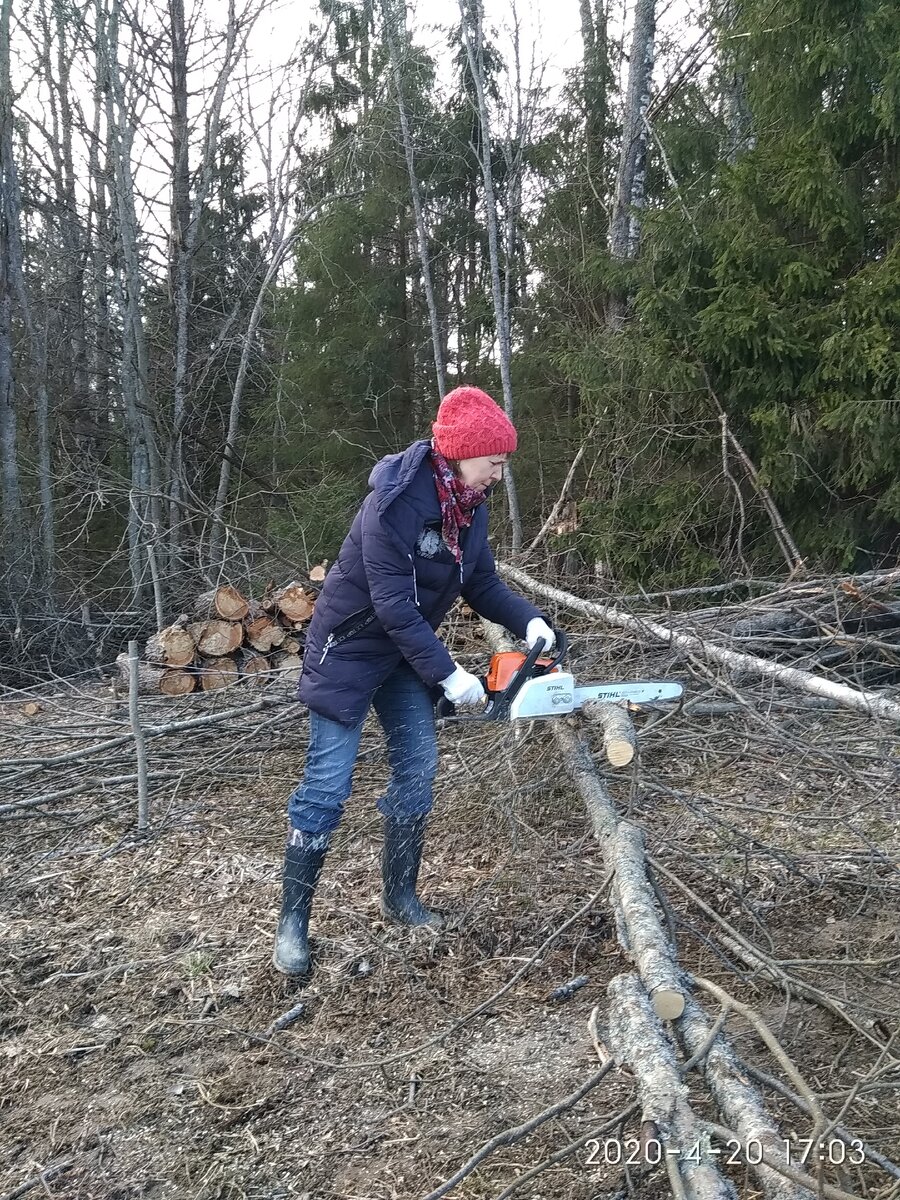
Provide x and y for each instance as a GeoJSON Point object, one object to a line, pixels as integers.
{"type": "Point", "coordinates": [622, 846]}
{"type": "Point", "coordinates": [640, 929]}
{"type": "Point", "coordinates": [868, 702]}
{"type": "Point", "coordinates": [619, 738]}
{"type": "Point", "coordinates": [738, 1102]}
{"type": "Point", "coordinates": [649, 945]}
{"type": "Point", "coordinates": [636, 1030]}
{"type": "Point", "coordinates": [638, 1040]}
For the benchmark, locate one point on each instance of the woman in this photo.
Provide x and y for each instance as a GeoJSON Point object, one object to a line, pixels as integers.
{"type": "Point", "coordinates": [418, 541]}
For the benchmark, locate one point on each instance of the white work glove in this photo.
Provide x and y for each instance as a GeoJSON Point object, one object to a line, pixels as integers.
{"type": "Point", "coordinates": [463, 688]}
{"type": "Point", "coordinates": [536, 628]}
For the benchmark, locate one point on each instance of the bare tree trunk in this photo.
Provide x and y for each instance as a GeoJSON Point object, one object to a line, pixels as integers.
{"type": "Point", "coordinates": [280, 245]}
{"type": "Point", "coordinates": [595, 74]}
{"type": "Point", "coordinates": [45, 469]}
{"type": "Point", "coordinates": [179, 268]}
{"type": "Point", "coordinates": [470, 280]}
{"type": "Point", "coordinates": [625, 226]}
{"type": "Point", "coordinates": [185, 221]}
{"type": "Point", "coordinates": [394, 27]}
{"type": "Point", "coordinates": [475, 55]}
{"type": "Point", "coordinates": [120, 134]}
{"type": "Point", "coordinates": [9, 237]}
{"type": "Point", "coordinates": [71, 231]}
{"type": "Point", "coordinates": [100, 353]}
{"type": "Point", "coordinates": [217, 534]}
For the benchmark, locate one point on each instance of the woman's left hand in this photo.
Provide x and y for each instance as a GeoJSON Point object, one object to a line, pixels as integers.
{"type": "Point", "coordinates": [538, 628]}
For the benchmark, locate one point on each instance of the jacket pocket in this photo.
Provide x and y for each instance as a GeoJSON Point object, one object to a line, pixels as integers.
{"type": "Point", "coordinates": [348, 628]}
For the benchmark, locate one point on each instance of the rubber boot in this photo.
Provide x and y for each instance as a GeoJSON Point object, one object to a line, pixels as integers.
{"type": "Point", "coordinates": [400, 859]}
{"type": "Point", "coordinates": [303, 858]}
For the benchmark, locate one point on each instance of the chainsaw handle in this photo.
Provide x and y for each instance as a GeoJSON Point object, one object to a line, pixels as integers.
{"type": "Point", "coordinates": [562, 647]}
{"type": "Point", "coordinates": [497, 708]}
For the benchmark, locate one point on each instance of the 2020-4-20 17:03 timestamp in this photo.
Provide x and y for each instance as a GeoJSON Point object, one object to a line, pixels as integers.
{"type": "Point", "coordinates": [613, 1152]}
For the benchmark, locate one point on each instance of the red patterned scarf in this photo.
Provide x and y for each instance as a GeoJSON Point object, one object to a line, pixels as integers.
{"type": "Point", "coordinates": [458, 501]}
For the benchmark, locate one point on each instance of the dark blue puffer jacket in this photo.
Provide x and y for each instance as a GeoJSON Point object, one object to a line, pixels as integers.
{"type": "Point", "coordinates": [390, 587]}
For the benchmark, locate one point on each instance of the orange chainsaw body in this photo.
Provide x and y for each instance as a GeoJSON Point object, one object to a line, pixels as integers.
{"type": "Point", "coordinates": [504, 666]}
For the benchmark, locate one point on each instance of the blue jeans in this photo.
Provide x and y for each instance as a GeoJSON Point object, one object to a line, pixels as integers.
{"type": "Point", "coordinates": [405, 709]}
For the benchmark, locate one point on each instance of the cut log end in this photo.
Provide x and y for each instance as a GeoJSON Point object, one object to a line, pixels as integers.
{"type": "Point", "coordinates": [217, 637]}
{"type": "Point", "coordinates": [177, 683]}
{"type": "Point", "coordinates": [287, 666]}
{"type": "Point", "coordinates": [173, 646]}
{"type": "Point", "coordinates": [667, 1003]}
{"type": "Point", "coordinates": [217, 673]}
{"type": "Point", "coordinates": [225, 602]}
{"type": "Point", "coordinates": [155, 680]}
{"type": "Point", "coordinates": [292, 602]}
{"type": "Point", "coordinates": [619, 737]}
{"type": "Point", "coordinates": [264, 633]}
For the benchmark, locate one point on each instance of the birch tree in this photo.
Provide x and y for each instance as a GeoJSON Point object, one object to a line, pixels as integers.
{"type": "Point", "coordinates": [186, 212]}
{"type": "Point", "coordinates": [625, 229]}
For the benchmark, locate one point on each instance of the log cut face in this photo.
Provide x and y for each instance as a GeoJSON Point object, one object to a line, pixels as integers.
{"type": "Point", "coordinates": [225, 602]}
{"type": "Point", "coordinates": [217, 637]}
{"type": "Point", "coordinates": [171, 647]}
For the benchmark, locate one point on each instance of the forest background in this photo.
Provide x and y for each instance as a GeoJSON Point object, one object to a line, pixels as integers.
{"type": "Point", "coordinates": [226, 289]}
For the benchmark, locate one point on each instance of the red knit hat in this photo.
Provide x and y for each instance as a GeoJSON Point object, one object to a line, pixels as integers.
{"type": "Point", "coordinates": [471, 425]}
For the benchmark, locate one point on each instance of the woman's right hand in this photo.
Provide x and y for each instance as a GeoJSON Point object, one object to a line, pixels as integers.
{"type": "Point", "coordinates": [463, 688]}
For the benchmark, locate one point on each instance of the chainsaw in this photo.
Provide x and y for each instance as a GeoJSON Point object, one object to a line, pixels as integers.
{"type": "Point", "coordinates": [523, 687]}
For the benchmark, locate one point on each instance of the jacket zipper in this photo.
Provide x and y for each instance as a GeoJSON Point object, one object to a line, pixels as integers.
{"type": "Point", "coordinates": [358, 622]}
{"type": "Point", "coordinates": [415, 589]}
{"type": "Point", "coordinates": [328, 643]}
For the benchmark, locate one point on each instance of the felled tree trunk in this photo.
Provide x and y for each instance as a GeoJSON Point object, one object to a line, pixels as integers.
{"type": "Point", "coordinates": [154, 680]}
{"type": "Point", "coordinates": [660, 993]}
{"type": "Point", "coordinates": [619, 738]}
{"type": "Point", "coordinates": [862, 701]}
{"type": "Point", "coordinates": [639, 1041]}
{"type": "Point", "coordinates": [739, 1103]}
{"type": "Point", "coordinates": [622, 845]}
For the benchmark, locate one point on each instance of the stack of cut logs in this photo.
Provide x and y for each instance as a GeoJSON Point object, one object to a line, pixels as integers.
{"type": "Point", "coordinates": [228, 638]}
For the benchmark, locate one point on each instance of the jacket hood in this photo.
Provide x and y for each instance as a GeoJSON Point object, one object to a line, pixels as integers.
{"type": "Point", "coordinates": [394, 473]}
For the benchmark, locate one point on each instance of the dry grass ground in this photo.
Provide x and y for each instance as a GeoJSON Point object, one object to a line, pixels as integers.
{"type": "Point", "coordinates": [137, 986]}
